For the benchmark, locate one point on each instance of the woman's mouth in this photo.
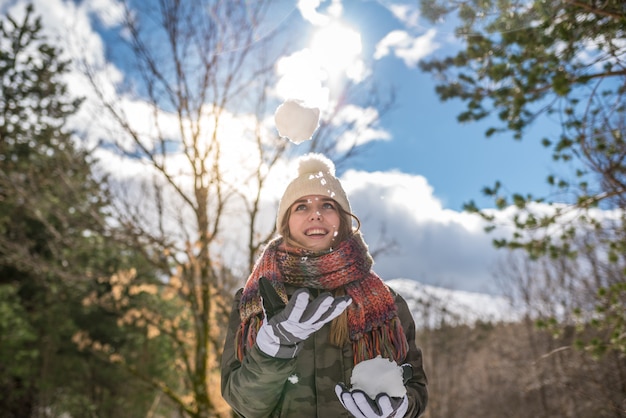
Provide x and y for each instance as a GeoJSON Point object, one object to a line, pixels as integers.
{"type": "Point", "coordinates": [315, 232]}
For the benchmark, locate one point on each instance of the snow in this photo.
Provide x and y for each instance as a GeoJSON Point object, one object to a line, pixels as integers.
{"type": "Point", "coordinates": [433, 306]}
{"type": "Point", "coordinates": [296, 121]}
{"type": "Point", "coordinates": [378, 375]}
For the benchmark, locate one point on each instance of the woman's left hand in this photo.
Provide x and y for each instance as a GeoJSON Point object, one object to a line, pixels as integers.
{"type": "Point", "coordinates": [362, 406]}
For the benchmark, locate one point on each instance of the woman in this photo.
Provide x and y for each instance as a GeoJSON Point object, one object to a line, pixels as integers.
{"type": "Point", "coordinates": [311, 310]}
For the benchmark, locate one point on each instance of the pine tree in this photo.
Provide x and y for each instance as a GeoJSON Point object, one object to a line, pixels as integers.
{"type": "Point", "coordinates": [54, 242]}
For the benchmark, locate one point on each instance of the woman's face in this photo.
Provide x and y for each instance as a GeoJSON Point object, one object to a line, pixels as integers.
{"type": "Point", "coordinates": [313, 222]}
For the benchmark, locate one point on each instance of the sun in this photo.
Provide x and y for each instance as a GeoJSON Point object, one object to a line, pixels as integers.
{"type": "Point", "coordinates": [315, 73]}
{"type": "Point", "coordinates": [337, 48]}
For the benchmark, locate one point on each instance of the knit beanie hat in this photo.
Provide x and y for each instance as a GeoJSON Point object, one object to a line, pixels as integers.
{"type": "Point", "coordinates": [316, 176]}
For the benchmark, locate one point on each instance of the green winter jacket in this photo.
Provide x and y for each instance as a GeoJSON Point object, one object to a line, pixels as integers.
{"type": "Point", "coordinates": [264, 386]}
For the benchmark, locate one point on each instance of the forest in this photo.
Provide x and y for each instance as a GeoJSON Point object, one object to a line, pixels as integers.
{"type": "Point", "coordinates": [114, 293]}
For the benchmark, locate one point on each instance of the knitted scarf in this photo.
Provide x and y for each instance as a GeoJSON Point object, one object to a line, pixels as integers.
{"type": "Point", "coordinates": [373, 324]}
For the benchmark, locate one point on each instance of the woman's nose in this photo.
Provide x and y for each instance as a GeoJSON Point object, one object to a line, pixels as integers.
{"type": "Point", "coordinates": [315, 215]}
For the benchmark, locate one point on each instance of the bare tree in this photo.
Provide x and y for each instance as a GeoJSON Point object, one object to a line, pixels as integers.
{"type": "Point", "coordinates": [564, 323]}
{"type": "Point", "coordinates": [194, 60]}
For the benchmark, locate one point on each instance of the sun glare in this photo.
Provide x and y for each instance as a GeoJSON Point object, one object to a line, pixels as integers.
{"type": "Point", "coordinates": [337, 48]}
{"type": "Point", "coordinates": [312, 74]}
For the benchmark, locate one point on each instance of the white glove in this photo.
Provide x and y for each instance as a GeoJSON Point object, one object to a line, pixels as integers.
{"type": "Point", "coordinates": [280, 335]}
{"type": "Point", "coordinates": [362, 406]}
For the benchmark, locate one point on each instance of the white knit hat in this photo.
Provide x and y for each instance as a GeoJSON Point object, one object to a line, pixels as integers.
{"type": "Point", "coordinates": [316, 176]}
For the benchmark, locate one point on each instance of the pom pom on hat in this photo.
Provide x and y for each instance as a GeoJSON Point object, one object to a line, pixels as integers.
{"type": "Point", "coordinates": [296, 121]}
{"type": "Point", "coordinates": [316, 176]}
{"type": "Point", "coordinates": [315, 163]}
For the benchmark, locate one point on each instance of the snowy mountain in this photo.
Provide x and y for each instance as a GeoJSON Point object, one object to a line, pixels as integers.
{"type": "Point", "coordinates": [432, 306]}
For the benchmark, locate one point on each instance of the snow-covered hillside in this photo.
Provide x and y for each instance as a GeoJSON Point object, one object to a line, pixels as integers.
{"type": "Point", "coordinates": [432, 306]}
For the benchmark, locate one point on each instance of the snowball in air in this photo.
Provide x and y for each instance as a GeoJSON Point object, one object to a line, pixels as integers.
{"type": "Point", "coordinates": [296, 121]}
{"type": "Point", "coordinates": [378, 375]}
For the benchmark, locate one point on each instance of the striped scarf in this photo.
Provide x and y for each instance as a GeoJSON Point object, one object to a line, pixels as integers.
{"type": "Point", "coordinates": [373, 323]}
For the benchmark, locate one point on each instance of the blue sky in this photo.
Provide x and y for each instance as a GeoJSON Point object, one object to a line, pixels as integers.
{"type": "Point", "coordinates": [427, 139]}
{"type": "Point", "coordinates": [420, 166]}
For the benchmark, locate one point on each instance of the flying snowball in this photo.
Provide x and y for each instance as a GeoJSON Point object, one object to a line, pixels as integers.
{"type": "Point", "coordinates": [378, 375]}
{"type": "Point", "coordinates": [296, 121]}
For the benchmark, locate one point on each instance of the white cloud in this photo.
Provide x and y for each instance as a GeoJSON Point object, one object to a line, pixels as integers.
{"type": "Point", "coordinates": [406, 47]}
{"type": "Point", "coordinates": [364, 127]}
{"type": "Point", "coordinates": [432, 245]}
{"type": "Point", "coordinates": [109, 12]}
{"type": "Point", "coordinates": [407, 14]}
{"type": "Point", "coordinates": [308, 10]}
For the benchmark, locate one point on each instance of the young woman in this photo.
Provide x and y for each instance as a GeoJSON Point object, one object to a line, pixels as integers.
{"type": "Point", "coordinates": [311, 310]}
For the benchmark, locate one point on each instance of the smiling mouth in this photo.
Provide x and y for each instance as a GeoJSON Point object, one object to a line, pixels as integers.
{"type": "Point", "coordinates": [315, 232]}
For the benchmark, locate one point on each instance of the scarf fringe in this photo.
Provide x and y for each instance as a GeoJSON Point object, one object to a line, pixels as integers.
{"type": "Point", "coordinates": [386, 341]}
{"type": "Point", "coordinates": [246, 336]}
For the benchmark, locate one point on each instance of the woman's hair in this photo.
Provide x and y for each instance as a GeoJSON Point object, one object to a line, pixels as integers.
{"type": "Point", "coordinates": [345, 225]}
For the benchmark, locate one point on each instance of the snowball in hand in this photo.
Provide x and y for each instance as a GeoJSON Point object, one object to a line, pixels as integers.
{"type": "Point", "coordinates": [378, 375]}
{"type": "Point", "coordinates": [296, 121]}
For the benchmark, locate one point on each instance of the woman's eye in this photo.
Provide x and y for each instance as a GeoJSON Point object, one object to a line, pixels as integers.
{"type": "Point", "coordinates": [328, 205]}
{"type": "Point", "coordinates": [300, 207]}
